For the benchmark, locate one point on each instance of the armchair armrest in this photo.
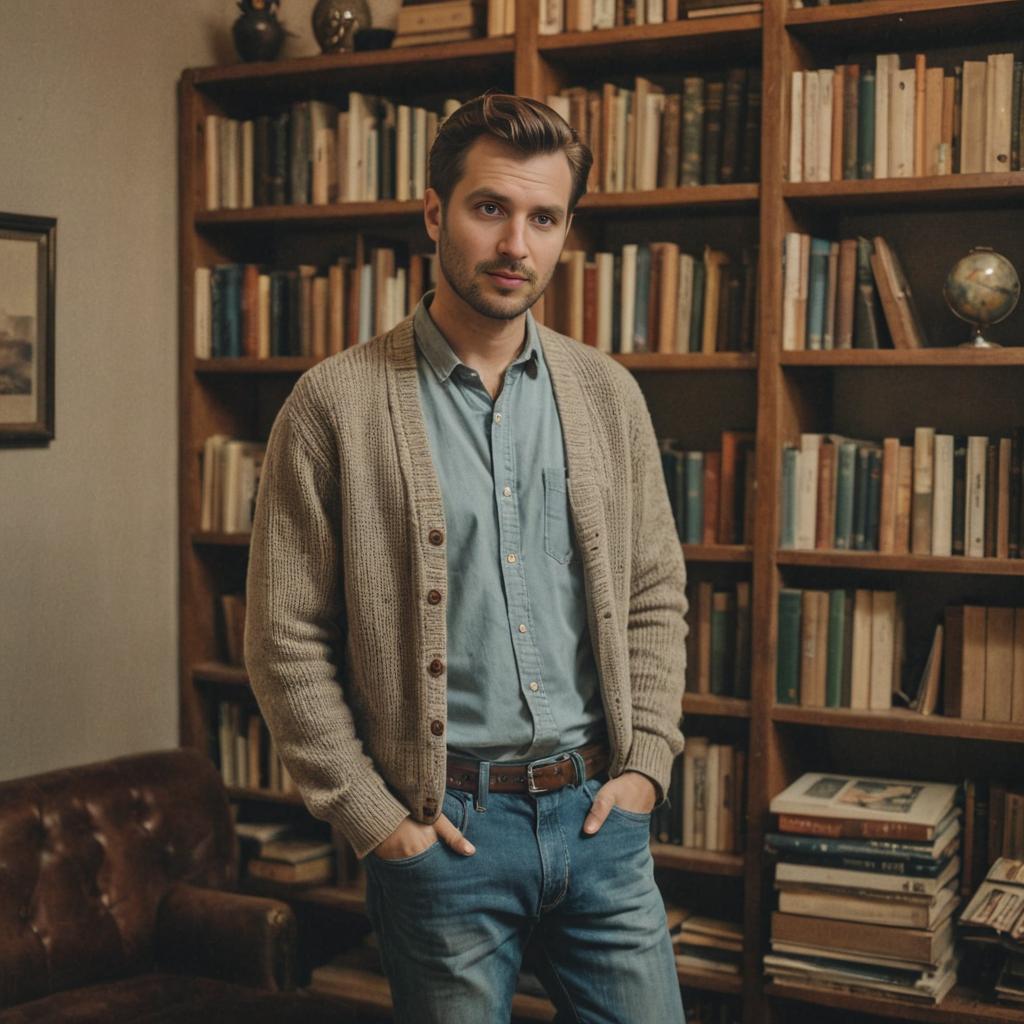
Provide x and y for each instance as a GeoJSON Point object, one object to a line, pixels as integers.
{"type": "Point", "coordinates": [248, 940]}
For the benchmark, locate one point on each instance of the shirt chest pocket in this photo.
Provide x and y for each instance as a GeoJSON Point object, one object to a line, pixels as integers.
{"type": "Point", "coordinates": [557, 524]}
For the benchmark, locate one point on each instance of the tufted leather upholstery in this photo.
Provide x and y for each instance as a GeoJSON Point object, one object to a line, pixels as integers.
{"type": "Point", "coordinates": [111, 888]}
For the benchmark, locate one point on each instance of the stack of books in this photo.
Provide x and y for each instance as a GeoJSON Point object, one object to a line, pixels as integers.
{"type": "Point", "coordinates": [705, 943]}
{"type": "Point", "coordinates": [292, 861]}
{"type": "Point", "coordinates": [994, 920]}
{"type": "Point", "coordinates": [868, 879]}
{"type": "Point", "coordinates": [448, 21]}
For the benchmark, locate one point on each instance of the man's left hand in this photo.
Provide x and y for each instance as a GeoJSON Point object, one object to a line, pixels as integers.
{"type": "Point", "coordinates": [631, 791]}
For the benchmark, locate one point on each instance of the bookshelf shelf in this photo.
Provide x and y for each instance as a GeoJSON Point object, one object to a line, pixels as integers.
{"type": "Point", "coordinates": [474, 58]}
{"type": "Point", "coordinates": [711, 705]}
{"type": "Point", "coordinates": [743, 195]}
{"type": "Point", "coordinates": [304, 215]}
{"type": "Point", "coordinates": [974, 190]}
{"type": "Point", "coordinates": [221, 674]}
{"type": "Point", "coordinates": [900, 720]}
{"type": "Point", "coordinates": [701, 862]}
{"type": "Point", "coordinates": [708, 981]}
{"type": "Point", "coordinates": [943, 565]}
{"type": "Point", "coordinates": [649, 361]}
{"type": "Point", "coordinates": [243, 365]}
{"type": "Point", "coordinates": [231, 540]}
{"type": "Point", "coordinates": [894, 24]}
{"type": "Point", "coordinates": [718, 552]}
{"type": "Point", "coordinates": [959, 1007]}
{"type": "Point", "coordinates": [738, 36]}
{"type": "Point", "coordinates": [922, 358]}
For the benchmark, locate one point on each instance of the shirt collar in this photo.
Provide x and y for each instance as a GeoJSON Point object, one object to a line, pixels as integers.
{"type": "Point", "coordinates": [438, 353]}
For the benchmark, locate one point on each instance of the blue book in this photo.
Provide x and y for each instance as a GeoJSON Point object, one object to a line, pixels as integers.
{"type": "Point", "coordinates": [817, 292]}
{"type": "Point", "coordinates": [643, 296]}
{"type": "Point", "coordinates": [790, 457]}
{"type": "Point", "coordinates": [230, 311]}
{"type": "Point", "coordinates": [694, 497]}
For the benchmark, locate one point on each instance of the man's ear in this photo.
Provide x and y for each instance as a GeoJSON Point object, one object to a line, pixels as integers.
{"type": "Point", "coordinates": [432, 213]}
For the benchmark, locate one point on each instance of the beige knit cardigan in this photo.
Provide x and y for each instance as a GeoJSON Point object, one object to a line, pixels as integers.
{"type": "Point", "coordinates": [346, 654]}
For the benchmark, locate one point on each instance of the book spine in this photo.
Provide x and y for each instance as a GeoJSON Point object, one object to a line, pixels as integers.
{"type": "Point", "coordinates": [853, 828]}
{"type": "Point", "coordinates": [787, 684]}
{"type": "Point", "coordinates": [714, 102]}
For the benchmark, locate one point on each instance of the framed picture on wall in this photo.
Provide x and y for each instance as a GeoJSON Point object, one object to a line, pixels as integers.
{"type": "Point", "coordinates": [28, 262]}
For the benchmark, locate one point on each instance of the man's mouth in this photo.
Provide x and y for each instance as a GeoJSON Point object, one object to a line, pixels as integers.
{"type": "Point", "coordinates": [503, 277]}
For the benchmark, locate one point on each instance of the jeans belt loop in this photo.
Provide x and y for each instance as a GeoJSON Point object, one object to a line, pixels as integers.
{"type": "Point", "coordinates": [581, 768]}
{"type": "Point", "coordinates": [483, 782]}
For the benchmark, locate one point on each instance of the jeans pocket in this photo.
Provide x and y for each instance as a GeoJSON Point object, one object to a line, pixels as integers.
{"type": "Point", "coordinates": [557, 527]}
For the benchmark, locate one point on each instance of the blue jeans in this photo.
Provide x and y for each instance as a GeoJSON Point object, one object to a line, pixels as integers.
{"type": "Point", "coordinates": [452, 929]}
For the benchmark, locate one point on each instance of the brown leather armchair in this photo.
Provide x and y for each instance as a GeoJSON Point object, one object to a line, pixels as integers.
{"type": "Point", "coordinates": [116, 902]}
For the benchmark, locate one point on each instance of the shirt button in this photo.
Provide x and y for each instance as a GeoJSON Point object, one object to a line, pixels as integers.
{"type": "Point", "coordinates": [497, 417]}
{"type": "Point", "coordinates": [434, 597]}
{"type": "Point", "coordinates": [534, 685]}
{"type": "Point", "coordinates": [522, 627]}
{"type": "Point", "coordinates": [436, 667]}
{"type": "Point", "coordinates": [437, 727]}
{"type": "Point", "coordinates": [512, 557]}
{"type": "Point", "coordinates": [436, 537]}
{"type": "Point", "coordinates": [507, 492]}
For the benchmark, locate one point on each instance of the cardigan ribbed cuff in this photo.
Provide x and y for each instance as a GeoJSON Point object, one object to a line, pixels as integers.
{"type": "Point", "coordinates": [651, 756]}
{"type": "Point", "coordinates": [368, 814]}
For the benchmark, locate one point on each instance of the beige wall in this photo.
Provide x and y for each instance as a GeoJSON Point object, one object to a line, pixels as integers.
{"type": "Point", "coordinates": [88, 577]}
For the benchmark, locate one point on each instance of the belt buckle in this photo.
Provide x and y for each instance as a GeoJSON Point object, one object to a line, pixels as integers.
{"type": "Point", "coordinates": [542, 763]}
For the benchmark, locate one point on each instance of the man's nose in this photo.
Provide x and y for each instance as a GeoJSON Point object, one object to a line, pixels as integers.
{"type": "Point", "coordinates": [513, 240]}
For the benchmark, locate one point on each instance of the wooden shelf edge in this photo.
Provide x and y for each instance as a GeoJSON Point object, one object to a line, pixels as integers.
{"type": "Point", "coordinates": [923, 357]}
{"type": "Point", "coordinates": [326, 213]}
{"type": "Point", "coordinates": [298, 67]}
{"type": "Point", "coordinates": [899, 720]}
{"type": "Point", "coordinates": [745, 193]}
{"type": "Point", "coordinates": [960, 1006]}
{"type": "Point", "coordinates": [938, 564]}
{"type": "Point", "coordinates": [220, 672]}
{"type": "Point", "coordinates": [923, 189]}
{"type": "Point", "coordinates": [703, 862]}
{"type": "Point", "coordinates": [648, 361]}
{"type": "Point", "coordinates": [718, 552]}
{"type": "Point", "coordinates": [710, 704]}
{"type": "Point", "coordinates": [709, 981]}
{"type": "Point", "coordinates": [693, 29]}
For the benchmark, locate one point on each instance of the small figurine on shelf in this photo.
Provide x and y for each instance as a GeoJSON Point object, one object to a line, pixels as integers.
{"type": "Point", "coordinates": [258, 34]}
{"type": "Point", "coordinates": [335, 23]}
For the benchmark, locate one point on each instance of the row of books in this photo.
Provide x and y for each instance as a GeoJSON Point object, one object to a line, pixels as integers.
{"type": "Point", "coordinates": [983, 650]}
{"type": "Point", "coordinates": [943, 494]}
{"type": "Point", "coordinates": [646, 137]}
{"type": "Point", "coordinates": [867, 872]}
{"type": "Point", "coordinates": [244, 751]}
{"type": "Point", "coordinates": [839, 648]}
{"type": "Point", "coordinates": [247, 310]}
{"type": "Point", "coordinates": [712, 493]}
{"type": "Point", "coordinates": [888, 121]}
{"type": "Point", "coordinates": [703, 943]}
{"type": "Point", "coordinates": [230, 480]}
{"type": "Point", "coordinates": [652, 297]}
{"type": "Point", "coordinates": [704, 809]}
{"type": "Point", "coordinates": [317, 153]}
{"type": "Point", "coordinates": [587, 15]}
{"type": "Point", "coordinates": [847, 294]}
{"type": "Point", "coordinates": [718, 640]}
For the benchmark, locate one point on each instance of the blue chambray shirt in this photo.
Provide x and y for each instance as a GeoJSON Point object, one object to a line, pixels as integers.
{"type": "Point", "coordinates": [522, 680]}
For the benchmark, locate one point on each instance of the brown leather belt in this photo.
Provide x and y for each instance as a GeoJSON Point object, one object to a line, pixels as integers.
{"type": "Point", "coordinates": [544, 775]}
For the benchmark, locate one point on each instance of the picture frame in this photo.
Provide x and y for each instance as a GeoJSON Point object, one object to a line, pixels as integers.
{"type": "Point", "coordinates": [28, 265]}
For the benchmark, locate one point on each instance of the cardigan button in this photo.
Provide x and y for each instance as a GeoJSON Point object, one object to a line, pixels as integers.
{"type": "Point", "coordinates": [436, 667]}
{"type": "Point", "coordinates": [437, 727]}
{"type": "Point", "coordinates": [436, 537]}
{"type": "Point", "coordinates": [434, 597]}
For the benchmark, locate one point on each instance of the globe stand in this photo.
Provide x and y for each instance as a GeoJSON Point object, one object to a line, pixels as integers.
{"type": "Point", "coordinates": [979, 341]}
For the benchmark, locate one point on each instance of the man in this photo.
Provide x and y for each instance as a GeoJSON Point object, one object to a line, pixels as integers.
{"type": "Point", "coordinates": [465, 611]}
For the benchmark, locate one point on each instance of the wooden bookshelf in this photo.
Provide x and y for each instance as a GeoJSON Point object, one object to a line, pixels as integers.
{"type": "Point", "coordinates": [779, 394]}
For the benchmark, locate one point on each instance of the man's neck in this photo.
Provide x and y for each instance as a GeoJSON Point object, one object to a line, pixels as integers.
{"type": "Point", "coordinates": [483, 343]}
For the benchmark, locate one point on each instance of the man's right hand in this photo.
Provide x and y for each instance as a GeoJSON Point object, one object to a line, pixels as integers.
{"type": "Point", "coordinates": [411, 838]}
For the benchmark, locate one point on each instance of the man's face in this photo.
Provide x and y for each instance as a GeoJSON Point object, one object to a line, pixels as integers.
{"type": "Point", "coordinates": [500, 234]}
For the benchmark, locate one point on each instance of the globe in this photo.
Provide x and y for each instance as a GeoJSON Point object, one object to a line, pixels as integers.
{"type": "Point", "coordinates": [982, 288]}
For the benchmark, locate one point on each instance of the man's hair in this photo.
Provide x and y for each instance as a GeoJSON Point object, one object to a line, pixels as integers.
{"type": "Point", "coordinates": [529, 127]}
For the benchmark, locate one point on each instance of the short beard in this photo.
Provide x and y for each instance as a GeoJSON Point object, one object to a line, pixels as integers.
{"type": "Point", "coordinates": [464, 282]}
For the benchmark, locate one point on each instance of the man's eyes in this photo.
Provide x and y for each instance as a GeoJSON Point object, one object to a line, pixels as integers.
{"type": "Point", "coordinates": [493, 208]}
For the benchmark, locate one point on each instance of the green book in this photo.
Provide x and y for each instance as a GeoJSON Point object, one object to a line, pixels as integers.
{"type": "Point", "coordinates": [697, 311]}
{"type": "Point", "coordinates": [836, 649]}
{"type": "Point", "coordinates": [694, 497]}
{"type": "Point", "coordinates": [714, 112]}
{"type": "Point", "coordinates": [787, 667]}
{"type": "Point", "coordinates": [866, 124]}
{"type": "Point", "coordinates": [846, 466]}
{"type": "Point", "coordinates": [693, 131]}
{"type": "Point", "coordinates": [860, 499]}
{"type": "Point", "coordinates": [817, 292]}
{"type": "Point", "coordinates": [844, 697]}
{"type": "Point", "coordinates": [790, 458]}
{"type": "Point", "coordinates": [298, 153]}
{"type": "Point", "coordinates": [735, 86]}
{"type": "Point", "coordinates": [721, 677]}
{"type": "Point", "coordinates": [1018, 76]}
